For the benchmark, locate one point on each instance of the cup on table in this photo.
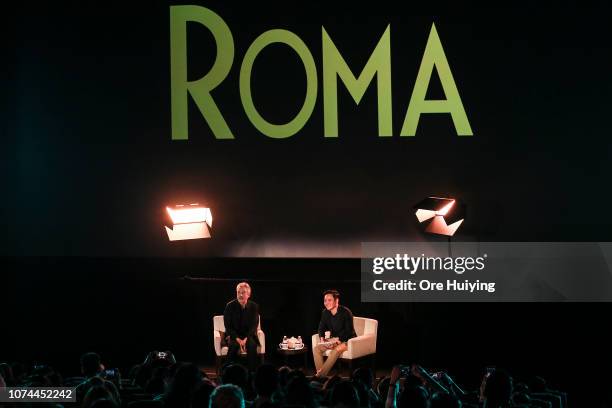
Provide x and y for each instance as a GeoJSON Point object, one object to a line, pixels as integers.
{"type": "Point", "coordinates": [327, 335]}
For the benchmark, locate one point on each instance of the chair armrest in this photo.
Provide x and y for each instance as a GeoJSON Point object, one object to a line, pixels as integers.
{"type": "Point", "coordinates": [217, 341]}
{"type": "Point", "coordinates": [360, 346]}
{"type": "Point", "coordinates": [262, 341]}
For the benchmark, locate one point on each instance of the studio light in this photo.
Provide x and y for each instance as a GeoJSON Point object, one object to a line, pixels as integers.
{"type": "Point", "coordinates": [443, 215]}
{"type": "Point", "coordinates": [190, 221]}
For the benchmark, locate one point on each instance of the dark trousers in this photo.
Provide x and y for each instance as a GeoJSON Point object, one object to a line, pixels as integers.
{"type": "Point", "coordinates": [251, 349]}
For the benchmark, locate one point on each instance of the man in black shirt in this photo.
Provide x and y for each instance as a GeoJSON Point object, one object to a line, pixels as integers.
{"type": "Point", "coordinates": [241, 318]}
{"type": "Point", "coordinates": [338, 320]}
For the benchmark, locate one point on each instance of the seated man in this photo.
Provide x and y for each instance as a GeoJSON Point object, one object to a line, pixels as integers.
{"type": "Point", "coordinates": [241, 318]}
{"type": "Point", "coordinates": [338, 320]}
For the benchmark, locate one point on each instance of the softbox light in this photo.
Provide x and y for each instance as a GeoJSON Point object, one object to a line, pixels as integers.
{"type": "Point", "coordinates": [191, 221]}
{"type": "Point", "coordinates": [442, 216]}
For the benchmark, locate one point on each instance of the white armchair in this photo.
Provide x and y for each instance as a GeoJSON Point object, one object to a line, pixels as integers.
{"type": "Point", "coordinates": [362, 345]}
{"type": "Point", "coordinates": [222, 349]}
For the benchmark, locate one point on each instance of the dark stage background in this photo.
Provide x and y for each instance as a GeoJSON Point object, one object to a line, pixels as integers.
{"type": "Point", "coordinates": [88, 166]}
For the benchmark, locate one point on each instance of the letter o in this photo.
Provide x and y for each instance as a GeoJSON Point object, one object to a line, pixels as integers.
{"type": "Point", "coordinates": [293, 41]}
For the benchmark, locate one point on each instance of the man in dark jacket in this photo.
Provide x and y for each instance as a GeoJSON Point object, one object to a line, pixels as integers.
{"type": "Point", "coordinates": [338, 321]}
{"type": "Point", "coordinates": [241, 319]}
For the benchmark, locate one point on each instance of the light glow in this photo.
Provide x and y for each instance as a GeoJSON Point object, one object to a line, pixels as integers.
{"type": "Point", "coordinates": [444, 210]}
{"type": "Point", "coordinates": [183, 214]}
